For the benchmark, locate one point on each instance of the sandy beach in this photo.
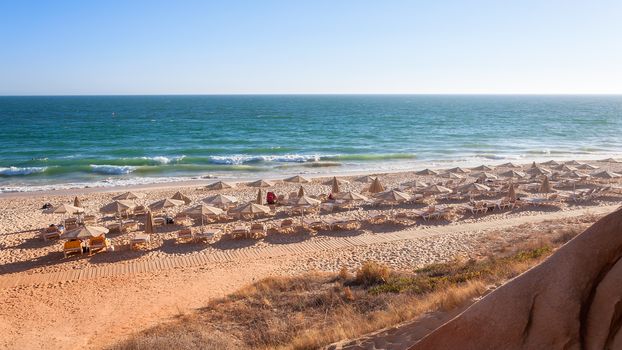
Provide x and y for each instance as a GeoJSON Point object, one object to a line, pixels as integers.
{"type": "Point", "coordinates": [46, 298]}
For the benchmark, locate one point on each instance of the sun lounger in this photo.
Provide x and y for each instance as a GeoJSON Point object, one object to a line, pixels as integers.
{"type": "Point", "coordinates": [314, 224]}
{"type": "Point", "coordinates": [347, 224]}
{"type": "Point", "coordinates": [206, 235]}
{"type": "Point", "coordinates": [240, 232]}
{"type": "Point", "coordinates": [73, 246]}
{"type": "Point", "coordinates": [51, 232]}
{"type": "Point", "coordinates": [257, 230]}
{"type": "Point", "coordinates": [184, 235]}
{"type": "Point", "coordinates": [430, 213]}
{"type": "Point", "coordinates": [99, 243]}
{"type": "Point", "coordinates": [182, 219]}
{"type": "Point", "coordinates": [89, 220]}
{"type": "Point", "coordinates": [287, 226]}
{"type": "Point", "coordinates": [378, 219]}
{"type": "Point", "coordinates": [140, 241]}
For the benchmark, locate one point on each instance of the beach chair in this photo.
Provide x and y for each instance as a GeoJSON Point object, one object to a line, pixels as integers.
{"type": "Point", "coordinates": [327, 207]}
{"type": "Point", "coordinates": [378, 219]}
{"type": "Point", "coordinates": [99, 243]}
{"type": "Point", "coordinates": [257, 230]}
{"type": "Point", "coordinates": [240, 232]}
{"type": "Point", "coordinates": [159, 221]}
{"type": "Point", "coordinates": [182, 219]}
{"type": "Point", "coordinates": [287, 226]}
{"type": "Point", "coordinates": [140, 241]}
{"type": "Point", "coordinates": [73, 246]}
{"type": "Point", "coordinates": [71, 224]}
{"type": "Point", "coordinates": [206, 236]}
{"type": "Point", "coordinates": [430, 213]}
{"type": "Point", "coordinates": [50, 232]}
{"type": "Point", "coordinates": [89, 220]}
{"type": "Point", "coordinates": [184, 235]}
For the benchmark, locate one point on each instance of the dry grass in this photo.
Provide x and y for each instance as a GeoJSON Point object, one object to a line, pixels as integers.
{"type": "Point", "coordinates": [316, 309]}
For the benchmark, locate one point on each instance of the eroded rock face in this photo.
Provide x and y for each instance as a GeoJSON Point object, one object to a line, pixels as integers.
{"type": "Point", "coordinates": [573, 300]}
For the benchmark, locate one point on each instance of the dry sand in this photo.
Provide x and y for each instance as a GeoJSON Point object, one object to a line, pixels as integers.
{"type": "Point", "coordinates": [79, 308]}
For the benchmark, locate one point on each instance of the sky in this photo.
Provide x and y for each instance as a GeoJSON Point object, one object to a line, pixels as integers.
{"type": "Point", "coordinates": [83, 47]}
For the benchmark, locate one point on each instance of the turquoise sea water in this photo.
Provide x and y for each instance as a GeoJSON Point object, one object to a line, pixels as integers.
{"type": "Point", "coordinates": [104, 140]}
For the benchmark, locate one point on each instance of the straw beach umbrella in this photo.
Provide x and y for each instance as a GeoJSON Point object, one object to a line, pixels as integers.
{"type": "Point", "coordinates": [204, 210]}
{"type": "Point", "coordinates": [576, 175]}
{"type": "Point", "coordinates": [65, 209]}
{"type": "Point", "coordinates": [607, 175]}
{"type": "Point", "coordinates": [84, 232]}
{"type": "Point", "coordinates": [537, 171]}
{"type": "Point", "coordinates": [305, 202]}
{"type": "Point", "coordinates": [252, 209]}
{"type": "Point", "coordinates": [545, 187]}
{"type": "Point", "coordinates": [438, 189]}
{"type": "Point", "coordinates": [454, 176]}
{"type": "Point", "coordinates": [334, 183]}
{"type": "Point", "coordinates": [260, 197]}
{"type": "Point", "coordinates": [149, 222]}
{"type": "Point", "coordinates": [129, 195]}
{"type": "Point", "coordinates": [364, 179]}
{"type": "Point", "coordinates": [261, 183]}
{"type": "Point", "coordinates": [514, 174]}
{"type": "Point", "coordinates": [352, 197]}
{"type": "Point", "coordinates": [487, 176]}
{"type": "Point", "coordinates": [182, 197]}
{"type": "Point", "coordinates": [220, 185]}
{"type": "Point", "coordinates": [484, 168]}
{"type": "Point", "coordinates": [459, 170]}
{"type": "Point", "coordinates": [510, 165]}
{"type": "Point", "coordinates": [165, 203]}
{"type": "Point", "coordinates": [564, 167]}
{"type": "Point", "coordinates": [427, 172]}
{"type": "Point", "coordinates": [587, 167]}
{"type": "Point", "coordinates": [512, 192]}
{"type": "Point", "coordinates": [118, 206]}
{"type": "Point", "coordinates": [376, 186]}
{"type": "Point", "coordinates": [415, 184]}
{"type": "Point", "coordinates": [394, 196]}
{"type": "Point", "coordinates": [551, 163]}
{"type": "Point", "coordinates": [573, 162]}
{"type": "Point", "coordinates": [297, 180]}
{"type": "Point", "coordinates": [221, 200]}
{"type": "Point", "coordinates": [474, 187]}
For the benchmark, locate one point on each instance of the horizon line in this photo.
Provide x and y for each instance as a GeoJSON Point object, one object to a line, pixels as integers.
{"type": "Point", "coordinates": [319, 94]}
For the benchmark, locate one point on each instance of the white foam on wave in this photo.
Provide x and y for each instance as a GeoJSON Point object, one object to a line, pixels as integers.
{"type": "Point", "coordinates": [112, 169]}
{"type": "Point", "coordinates": [16, 171]}
{"type": "Point", "coordinates": [164, 160]}
{"type": "Point", "coordinates": [285, 158]}
{"type": "Point", "coordinates": [109, 182]}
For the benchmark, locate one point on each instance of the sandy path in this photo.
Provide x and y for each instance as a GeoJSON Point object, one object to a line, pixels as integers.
{"type": "Point", "coordinates": [86, 308]}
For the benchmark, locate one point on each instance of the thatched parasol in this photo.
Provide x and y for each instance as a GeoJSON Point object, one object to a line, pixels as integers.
{"type": "Point", "coordinates": [376, 186]}
{"type": "Point", "coordinates": [182, 197]}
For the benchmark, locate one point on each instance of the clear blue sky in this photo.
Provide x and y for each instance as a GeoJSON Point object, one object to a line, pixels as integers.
{"type": "Point", "coordinates": [315, 46]}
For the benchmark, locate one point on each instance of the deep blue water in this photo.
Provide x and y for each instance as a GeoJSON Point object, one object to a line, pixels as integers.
{"type": "Point", "coordinates": [123, 139]}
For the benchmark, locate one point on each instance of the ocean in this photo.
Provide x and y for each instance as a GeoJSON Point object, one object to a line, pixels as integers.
{"type": "Point", "coordinates": [79, 141]}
